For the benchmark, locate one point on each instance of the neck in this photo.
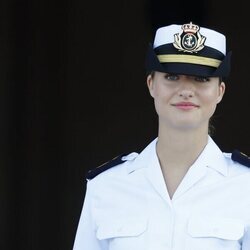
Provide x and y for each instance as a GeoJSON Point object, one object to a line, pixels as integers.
{"type": "Point", "coordinates": [180, 149]}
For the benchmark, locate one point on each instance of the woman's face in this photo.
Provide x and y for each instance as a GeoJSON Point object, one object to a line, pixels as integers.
{"type": "Point", "coordinates": [185, 102]}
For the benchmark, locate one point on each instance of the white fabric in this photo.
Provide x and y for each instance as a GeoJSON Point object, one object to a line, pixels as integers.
{"type": "Point", "coordinates": [128, 207]}
{"type": "Point", "coordinates": [214, 39]}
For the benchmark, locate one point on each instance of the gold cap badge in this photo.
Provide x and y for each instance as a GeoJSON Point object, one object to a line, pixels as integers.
{"type": "Point", "coordinates": [190, 40]}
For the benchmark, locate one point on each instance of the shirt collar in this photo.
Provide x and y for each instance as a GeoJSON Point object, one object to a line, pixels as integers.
{"type": "Point", "coordinates": [142, 160]}
{"type": "Point", "coordinates": [211, 157]}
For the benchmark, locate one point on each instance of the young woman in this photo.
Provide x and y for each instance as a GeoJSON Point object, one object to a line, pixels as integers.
{"type": "Point", "coordinates": [181, 192]}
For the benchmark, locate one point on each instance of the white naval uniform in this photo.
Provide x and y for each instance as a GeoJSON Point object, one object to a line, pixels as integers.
{"type": "Point", "coordinates": [127, 207]}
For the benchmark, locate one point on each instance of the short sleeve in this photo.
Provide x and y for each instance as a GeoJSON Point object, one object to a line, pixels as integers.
{"type": "Point", "coordinates": [85, 238]}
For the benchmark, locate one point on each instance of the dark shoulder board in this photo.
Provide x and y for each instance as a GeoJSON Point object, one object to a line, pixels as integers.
{"type": "Point", "coordinates": [105, 166]}
{"type": "Point", "coordinates": [241, 158]}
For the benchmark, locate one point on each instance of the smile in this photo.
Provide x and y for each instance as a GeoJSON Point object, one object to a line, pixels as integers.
{"type": "Point", "coordinates": [185, 105]}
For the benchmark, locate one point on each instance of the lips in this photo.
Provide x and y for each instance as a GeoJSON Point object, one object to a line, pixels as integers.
{"type": "Point", "coordinates": [185, 105]}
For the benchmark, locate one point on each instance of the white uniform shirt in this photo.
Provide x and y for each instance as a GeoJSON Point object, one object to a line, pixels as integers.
{"type": "Point", "coordinates": [128, 207]}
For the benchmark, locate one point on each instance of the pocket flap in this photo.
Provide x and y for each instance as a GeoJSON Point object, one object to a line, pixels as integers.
{"type": "Point", "coordinates": [121, 228]}
{"type": "Point", "coordinates": [228, 229]}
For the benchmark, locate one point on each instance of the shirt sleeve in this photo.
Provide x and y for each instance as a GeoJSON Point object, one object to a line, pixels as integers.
{"type": "Point", "coordinates": [246, 238]}
{"type": "Point", "coordinates": [85, 238]}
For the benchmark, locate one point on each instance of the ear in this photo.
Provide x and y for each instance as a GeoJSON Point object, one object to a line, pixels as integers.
{"type": "Point", "coordinates": [222, 88]}
{"type": "Point", "coordinates": [150, 85]}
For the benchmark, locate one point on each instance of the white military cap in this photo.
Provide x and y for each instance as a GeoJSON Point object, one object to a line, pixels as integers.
{"type": "Point", "coordinates": [189, 49]}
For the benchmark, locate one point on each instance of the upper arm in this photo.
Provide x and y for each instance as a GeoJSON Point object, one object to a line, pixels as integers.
{"type": "Point", "coordinates": [85, 238]}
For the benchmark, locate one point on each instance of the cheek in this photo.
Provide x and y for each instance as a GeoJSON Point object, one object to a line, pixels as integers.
{"type": "Point", "coordinates": [210, 102]}
{"type": "Point", "coordinates": [159, 101]}
{"type": "Point", "coordinates": [156, 91]}
{"type": "Point", "coordinates": [156, 94]}
{"type": "Point", "coordinates": [211, 96]}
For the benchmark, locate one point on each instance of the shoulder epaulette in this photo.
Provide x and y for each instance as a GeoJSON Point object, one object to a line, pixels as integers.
{"type": "Point", "coordinates": [241, 158]}
{"type": "Point", "coordinates": [105, 166]}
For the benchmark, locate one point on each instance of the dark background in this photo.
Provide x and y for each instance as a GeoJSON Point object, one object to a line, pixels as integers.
{"type": "Point", "coordinates": [73, 95]}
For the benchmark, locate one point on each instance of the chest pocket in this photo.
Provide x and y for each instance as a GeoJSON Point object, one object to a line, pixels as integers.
{"type": "Point", "coordinates": [214, 233]}
{"type": "Point", "coordinates": [123, 227]}
{"type": "Point", "coordinates": [123, 233]}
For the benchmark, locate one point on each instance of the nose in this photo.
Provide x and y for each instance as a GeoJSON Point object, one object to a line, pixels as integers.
{"type": "Point", "coordinates": [186, 93]}
{"type": "Point", "coordinates": [186, 90]}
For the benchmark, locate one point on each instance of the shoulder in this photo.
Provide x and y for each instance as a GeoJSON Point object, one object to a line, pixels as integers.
{"type": "Point", "coordinates": [111, 164]}
{"type": "Point", "coordinates": [241, 158]}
